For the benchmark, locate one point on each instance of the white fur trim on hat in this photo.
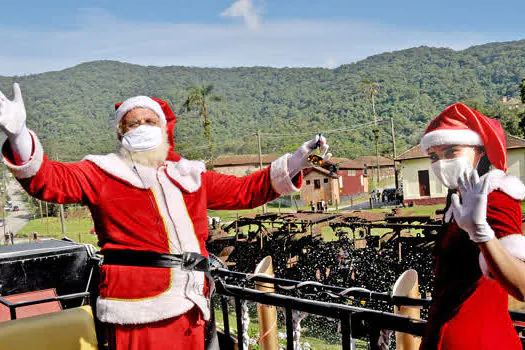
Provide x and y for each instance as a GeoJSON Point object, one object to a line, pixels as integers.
{"type": "Point", "coordinates": [450, 137]}
{"type": "Point", "coordinates": [135, 102]}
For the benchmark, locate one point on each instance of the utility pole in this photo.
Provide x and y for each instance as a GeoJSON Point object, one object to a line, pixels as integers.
{"type": "Point", "coordinates": [371, 89]}
{"type": "Point", "coordinates": [4, 195]}
{"type": "Point", "coordinates": [41, 212]}
{"type": "Point", "coordinates": [258, 134]}
{"type": "Point", "coordinates": [376, 138]}
{"type": "Point", "coordinates": [61, 207]}
{"type": "Point", "coordinates": [395, 153]}
{"type": "Point", "coordinates": [47, 219]}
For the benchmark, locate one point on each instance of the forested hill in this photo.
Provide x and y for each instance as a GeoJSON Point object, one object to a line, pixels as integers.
{"type": "Point", "coordinates": [72, 110]}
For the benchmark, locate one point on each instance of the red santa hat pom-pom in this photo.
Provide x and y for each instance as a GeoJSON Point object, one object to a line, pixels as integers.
{"type": "Point", "coordinates": [461, 125]}
{"type": "Point", "coordinates": [135, 102]}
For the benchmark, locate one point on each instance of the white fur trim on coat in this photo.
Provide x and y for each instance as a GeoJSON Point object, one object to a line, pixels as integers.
{"type": "Point", "coordinates": [187, 173]}
{"type": "Point", "coordinates": [117, 166]}
{"type": "Point", "coordinates": [450, 137]}
{"type": "Point", "coordinates": [31, 167]}
{"type": "Point", "coordinates": [507, 184]}
{"type": "Point", "coordinates": [514, 244]}
{"type": "Point", "coordinates": [281, 181]}
{"type": "Point", "coordinates": [169, 304]}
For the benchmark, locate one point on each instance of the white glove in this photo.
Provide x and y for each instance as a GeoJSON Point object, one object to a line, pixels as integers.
{"type": "Point", "coordinates": [13, 123]}
{"type": "Point", "coordinates": [471, 215]}
{"type": "Point", "coordinates": [298, 161]}
{"type": "Point", "coordinates": [12, 113]}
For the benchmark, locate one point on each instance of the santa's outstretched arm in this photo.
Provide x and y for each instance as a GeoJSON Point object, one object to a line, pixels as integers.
{"type": "Point", "coordinates": [13, 124]}
{"type": "Point", "coordinates": [283, 176]}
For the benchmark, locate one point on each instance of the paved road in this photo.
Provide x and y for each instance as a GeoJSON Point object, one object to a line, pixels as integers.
{"type": "Point", "coordinates": [15, 220]}
{"type": "Point", "coordinates": [365, 204]}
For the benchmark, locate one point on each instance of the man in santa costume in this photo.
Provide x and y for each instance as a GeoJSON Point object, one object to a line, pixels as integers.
{"type": "Point", "coordinates": [478, 256]}
{"type": "Point", "coordinates": [149, 208]}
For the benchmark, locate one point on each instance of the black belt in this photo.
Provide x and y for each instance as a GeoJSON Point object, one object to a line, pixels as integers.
{"type": "Point", "coordinates": [187, 260]}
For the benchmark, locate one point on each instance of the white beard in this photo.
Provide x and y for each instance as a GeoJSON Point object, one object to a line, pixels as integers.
{"type": "Point", "coordinates": [152, 158]}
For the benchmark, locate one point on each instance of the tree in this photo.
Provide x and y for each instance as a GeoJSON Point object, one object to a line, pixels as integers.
{"type": "Point", "coordinates": [522, 88]}
{"type": "Point", "coordinates": [198, 101]}
{"type": "Point", "coordinates": [371, 89]}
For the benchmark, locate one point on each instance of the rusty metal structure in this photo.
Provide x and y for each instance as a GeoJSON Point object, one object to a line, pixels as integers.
{"type": "Point", "coordinates": [365, 249]}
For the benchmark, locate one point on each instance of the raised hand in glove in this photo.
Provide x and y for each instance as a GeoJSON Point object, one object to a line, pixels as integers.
{"type": "Point", "coordinates": [13, 124]}
{"type": "Point", "coordinates": [471, 214]}
{"type": "Point", "coordinates": [12, 113]}
{"type": "Point", "coordinates": [299, 160]}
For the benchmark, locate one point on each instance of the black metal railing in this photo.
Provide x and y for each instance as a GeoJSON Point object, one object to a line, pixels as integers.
{"type": "Point", "coordinates": [13, 306]}
{"type": "Point", "coordinates": [355, 320]}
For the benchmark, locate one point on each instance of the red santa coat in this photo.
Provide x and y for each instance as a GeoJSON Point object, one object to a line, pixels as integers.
{"type": "Point", "coordinates": [142, 208]}
{"type": "Point", "coordinates": [469, 309]}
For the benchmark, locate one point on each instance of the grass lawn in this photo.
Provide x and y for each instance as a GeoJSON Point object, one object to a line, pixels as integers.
{"type": "Point", "coordinates": [422, 210]}
{"type": "Point", "coordinates": [253, 333]}
{"type": "Point", "coordinates": [76, 229]}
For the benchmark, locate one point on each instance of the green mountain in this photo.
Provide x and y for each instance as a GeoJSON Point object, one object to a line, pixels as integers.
{"type": "Point", "coordinates": [72, 109]}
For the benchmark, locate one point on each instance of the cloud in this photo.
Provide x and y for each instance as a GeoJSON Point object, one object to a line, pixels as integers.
{"type": "Point", "coordinates": [330, 63]}
{"type": "Point", "coordinates": [95, 35]}
{"type": "Point", "coordinates": [246, 10]}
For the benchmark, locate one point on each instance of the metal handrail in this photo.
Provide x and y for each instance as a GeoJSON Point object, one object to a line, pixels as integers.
{"type": "Point", "coordinates": [13, 306]}
{"type": "Point", "coordinates": [354, 319]}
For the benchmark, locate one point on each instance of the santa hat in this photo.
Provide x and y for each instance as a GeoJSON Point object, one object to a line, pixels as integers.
{"type": "Point", "coordinates": [135, 102]}
{"type": "Point", "coordinates": [461, 125]}
{"type": "Point", "coordinates": [164, 112]}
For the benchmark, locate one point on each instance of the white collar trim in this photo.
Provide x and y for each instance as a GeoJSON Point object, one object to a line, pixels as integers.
{"type": "Point", "coordinates": [186, 173]}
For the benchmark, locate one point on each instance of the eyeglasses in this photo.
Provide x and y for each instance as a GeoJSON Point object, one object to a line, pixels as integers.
{"type": "Point", "coordinates": [132, 124]}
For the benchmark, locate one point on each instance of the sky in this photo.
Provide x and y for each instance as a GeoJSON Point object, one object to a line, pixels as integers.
{"type": "Point", "coordinates": [38, 36]}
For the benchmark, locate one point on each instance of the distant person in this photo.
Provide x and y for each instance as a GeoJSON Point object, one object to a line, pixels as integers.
{"type": "Point", "coordinates": [7, 238]}
{"type": "Point", "coordinates": [149, 206]}
{"type": "Point", "coordinates": [478, 256]}
{"type": "Point", "coordinates": [35, 237]}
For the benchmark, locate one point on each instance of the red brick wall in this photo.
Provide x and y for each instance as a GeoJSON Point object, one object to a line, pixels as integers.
{"type": "Point", "coordinates": [351, 184]}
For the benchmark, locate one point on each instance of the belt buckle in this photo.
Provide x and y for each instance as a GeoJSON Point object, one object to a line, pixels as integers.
{"type": "Point", "coordinates": [192, 261]}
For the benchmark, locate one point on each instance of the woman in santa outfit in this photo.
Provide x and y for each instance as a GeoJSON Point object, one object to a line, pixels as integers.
{"type": "Point", "coordinates": [149, 206]}
{"type": "Point", "coordinates": [478, 258]}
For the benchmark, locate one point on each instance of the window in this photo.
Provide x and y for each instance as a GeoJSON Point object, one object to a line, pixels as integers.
{"type": "Point", "coordinates": [307, 182]}
{"type": "Point", "coordinates": [325, 180]}
{"type": "Point", "coordinates": [351, 173]}
{"type": "Point", "coordinates": [317, 183]}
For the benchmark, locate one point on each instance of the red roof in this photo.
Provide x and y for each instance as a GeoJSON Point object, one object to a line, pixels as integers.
{"type": "Point", "coordinates": [372, 161]}
{"type": "Point", "coordinates": [345, 163]}
{"type": "Point", "coordinates": [244, 159]}
{"type": "Point", "coordinates": [320, 170]}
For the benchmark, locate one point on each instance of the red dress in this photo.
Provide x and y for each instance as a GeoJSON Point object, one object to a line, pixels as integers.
{"type": "Point", "coordinates": [470, 310]}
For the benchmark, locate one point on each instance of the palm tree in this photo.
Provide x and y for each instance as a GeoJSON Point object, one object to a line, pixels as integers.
{"type": "Point", "coordinates": [197, 100]}
{"type": "Point", "coordinates": [371, 89]}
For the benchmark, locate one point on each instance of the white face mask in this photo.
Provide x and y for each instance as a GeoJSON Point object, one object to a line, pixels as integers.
{"type": "Point", "coordinates": [449, 170]}
{"type": "Point", "coordinates": [142, 138]}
